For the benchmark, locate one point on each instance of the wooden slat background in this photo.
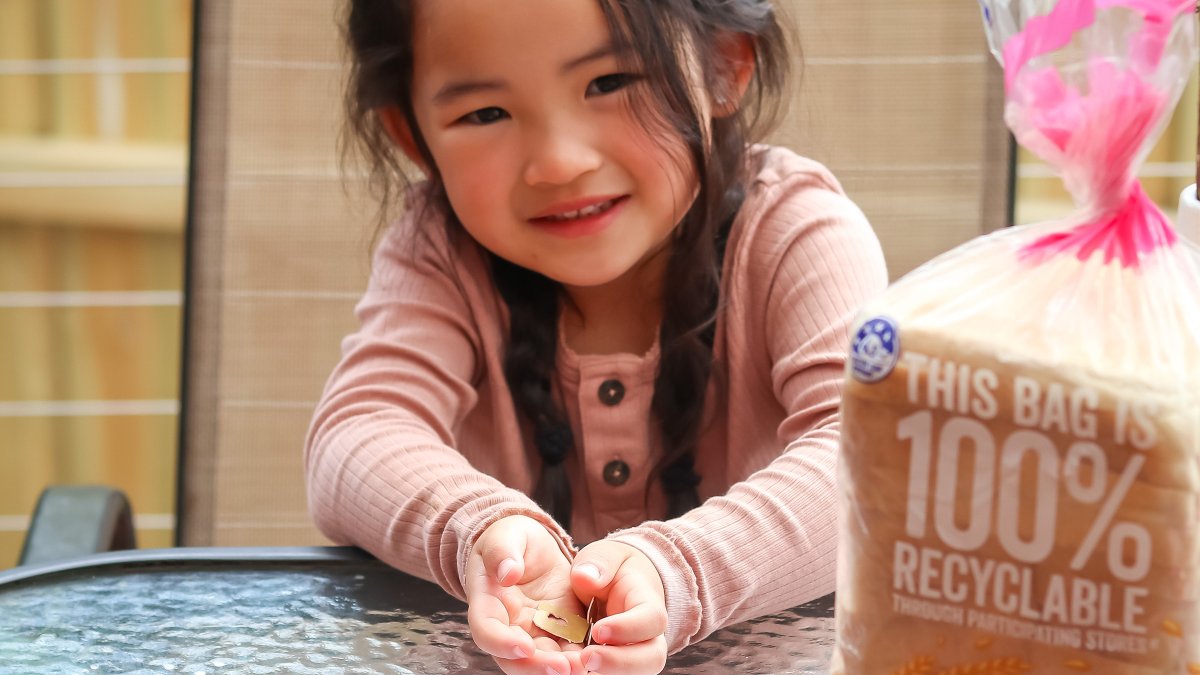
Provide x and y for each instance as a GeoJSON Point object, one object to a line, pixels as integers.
{"type": "Point", "coordinates": [92, 186]}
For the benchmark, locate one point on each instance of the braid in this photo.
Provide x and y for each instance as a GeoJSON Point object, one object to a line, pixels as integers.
{"type": "Point", "coordinates": [529, 361]}
{"type": "Point", "coordinates": [691, 296]}
{"type": "Point", "coordinates": [679, 388]}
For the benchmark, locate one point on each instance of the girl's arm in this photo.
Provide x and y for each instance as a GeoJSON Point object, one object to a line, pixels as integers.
{"type": "Point", "coordinates": [770, 542]}
{"type": "Point", "coordinates": [382, 470]}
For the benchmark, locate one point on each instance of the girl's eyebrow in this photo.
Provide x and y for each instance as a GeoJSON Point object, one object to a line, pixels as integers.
{"type": "Point", "coordinates": [603, 51]}
{"type": "Point", "coordinates": [453, 90]}
{"type": "Point", "coordinates": [458, 89]}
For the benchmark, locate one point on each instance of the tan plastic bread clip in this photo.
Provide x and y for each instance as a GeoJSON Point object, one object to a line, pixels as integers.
{"type": "Point", "coordinates": [564, 624]}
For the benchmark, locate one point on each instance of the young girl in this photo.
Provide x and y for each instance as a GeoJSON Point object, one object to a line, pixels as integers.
{"type": "Point", "coordinates": [603, 313]}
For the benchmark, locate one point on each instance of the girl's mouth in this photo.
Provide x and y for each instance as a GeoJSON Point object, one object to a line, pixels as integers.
{"type": "Point", "coordinates": [583, 221]}
{"type": "Point", "coordinates": [593, 210]}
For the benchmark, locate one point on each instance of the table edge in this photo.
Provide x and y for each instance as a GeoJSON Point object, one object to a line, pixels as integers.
{"type": "Point", "coordinates": [199, 554]}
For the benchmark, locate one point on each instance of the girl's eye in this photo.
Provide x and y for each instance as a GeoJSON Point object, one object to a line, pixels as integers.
{"type": "Point", "coordinates": [484, 116]}
{"type": "Point", "coordinates": [607, 84]}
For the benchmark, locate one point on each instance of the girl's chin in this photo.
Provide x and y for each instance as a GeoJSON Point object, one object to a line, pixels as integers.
{"type": "Point", "coordinates": [586, 274]}
{"type": "Point", "coordinates": [573, 279]}
{"type": "Point", "coordinates": [629, 272]}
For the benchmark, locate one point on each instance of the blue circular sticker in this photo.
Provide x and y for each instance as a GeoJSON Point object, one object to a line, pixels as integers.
{"type": "Point", "coordinates": [875, 350]}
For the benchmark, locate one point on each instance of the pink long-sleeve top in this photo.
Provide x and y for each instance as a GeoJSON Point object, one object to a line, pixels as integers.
{"type": "Point", "coordinates": [416, 446]}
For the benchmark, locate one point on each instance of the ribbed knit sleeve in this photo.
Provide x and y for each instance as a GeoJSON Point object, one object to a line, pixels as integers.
{"type": "Point", "coordinates": [769, 543]}
{"type": "Point", "coordinates": [382, 470]}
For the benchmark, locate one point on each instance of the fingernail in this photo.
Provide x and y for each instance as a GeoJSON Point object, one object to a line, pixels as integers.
{"type": "Point", "coordinates": [551, 671]}
{"type": "Point", "coordinates": [521, 652]}
{"type": "Point", "coordinates": [589, 570]}
{"type": "Point", "coordinates": [505, 567]}
{"type": "Point", "coordinates": [600, 634]}
{"type": "Point", "coordinates": [593, 663]}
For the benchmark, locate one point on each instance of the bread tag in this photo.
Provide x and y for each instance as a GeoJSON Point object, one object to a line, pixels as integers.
{"type": "Point", "coordinates": [563, 623]}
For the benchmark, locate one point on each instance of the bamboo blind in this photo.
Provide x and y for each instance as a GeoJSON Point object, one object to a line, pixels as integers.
{"type": "Point", "coordinates": [279, 254]}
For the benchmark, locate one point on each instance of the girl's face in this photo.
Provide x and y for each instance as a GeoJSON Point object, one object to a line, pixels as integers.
{"type": "Point", "coordinates": [525, 111]}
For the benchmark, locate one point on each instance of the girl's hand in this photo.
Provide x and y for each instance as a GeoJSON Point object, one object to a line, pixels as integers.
{"type": "Point", "coordinates": [516, 564]}
{"type": "Point", "coordinates": [631, 638]}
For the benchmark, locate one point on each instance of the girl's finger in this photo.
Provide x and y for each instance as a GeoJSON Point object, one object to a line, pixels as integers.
{"type": "Point", "coordinates": [630, 589]}
{"type": "Point", "coordinates": [594, 568]}
{"type": "Point", "coordinates": [502, 641]}
{"type": "Point", "coordinates": [502, 548]}
{"type": "Point", "coordinates": [549, 657]}
{"type": "Point", "coordinates": [641, 622]}
{"type": "Point", "coordinates": [546, 659]}
{"type": "Point", "coordinates": [644, 657]}
{"type": "Point", "coordinates": [526, 667]}
{"type": "Point", "coordinates": [546, 644]}
{"type": "Point", "coordinates": [575, 658]}
{"type": "Point", "coordinates": [488, 620]}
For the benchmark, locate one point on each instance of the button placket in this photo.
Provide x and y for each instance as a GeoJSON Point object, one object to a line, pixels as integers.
{"type": "Point", "coordinates": [611, 392]}
{"type": "Point", "coordinates": [613, 420]}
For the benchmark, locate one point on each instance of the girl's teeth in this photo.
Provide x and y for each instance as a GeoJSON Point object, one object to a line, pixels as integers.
{"type": "Point", "coordinates": [584, 212]}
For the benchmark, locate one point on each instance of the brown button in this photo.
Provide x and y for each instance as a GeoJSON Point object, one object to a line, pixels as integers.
{"type": "Point", "coordinates": [616, 473]}
{"type": "Point", "coordinates": [611, 392]}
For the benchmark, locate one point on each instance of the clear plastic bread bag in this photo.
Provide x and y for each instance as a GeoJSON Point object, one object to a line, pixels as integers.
{"type": "Point", "coordinates": [1020, 469]}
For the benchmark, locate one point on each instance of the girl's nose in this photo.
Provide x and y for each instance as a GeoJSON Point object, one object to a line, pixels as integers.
{"type": "Point", "coordinates": [560, 156]}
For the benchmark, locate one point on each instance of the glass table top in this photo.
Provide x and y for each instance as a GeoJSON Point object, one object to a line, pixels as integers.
{"type": "Point", "coordinates": [302, 611]}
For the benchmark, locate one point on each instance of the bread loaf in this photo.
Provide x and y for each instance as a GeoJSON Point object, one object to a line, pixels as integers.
{"type": "Point", "coordinates": [1021, 469]}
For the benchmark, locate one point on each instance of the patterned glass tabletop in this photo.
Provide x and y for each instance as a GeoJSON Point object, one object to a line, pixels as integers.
{"type": "Point", "coordinates": [300, 611]}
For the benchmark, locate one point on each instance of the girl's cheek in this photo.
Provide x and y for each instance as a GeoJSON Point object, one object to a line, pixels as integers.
{"type": "Point", "coordinates": [479, 147]}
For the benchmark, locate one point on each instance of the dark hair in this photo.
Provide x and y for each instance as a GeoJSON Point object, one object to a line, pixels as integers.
{"type": "Point", "coordinates": [650, 32]}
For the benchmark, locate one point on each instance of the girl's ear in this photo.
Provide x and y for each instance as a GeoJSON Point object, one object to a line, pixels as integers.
{"type": "Point", "coordinates": [736, 54]}
{"type": "Point", "coordinates": [398, 130]}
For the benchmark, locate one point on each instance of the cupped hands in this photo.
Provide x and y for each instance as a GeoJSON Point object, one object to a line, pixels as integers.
{"type": "Point", "coordinates": [517, 564]}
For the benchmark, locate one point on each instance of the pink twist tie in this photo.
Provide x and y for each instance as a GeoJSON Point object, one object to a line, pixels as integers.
{"type": "Point", "coordinates": [1094, 137]}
